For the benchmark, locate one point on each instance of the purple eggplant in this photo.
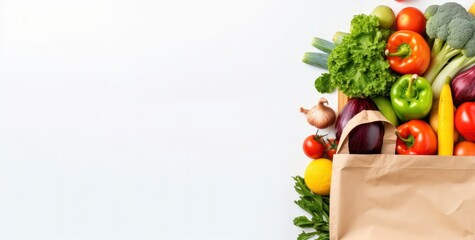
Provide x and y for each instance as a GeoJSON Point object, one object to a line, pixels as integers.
{"type": "Point", "coordinates": [462, 86]}
{"type": "Point", "coordinates": [363, 139]}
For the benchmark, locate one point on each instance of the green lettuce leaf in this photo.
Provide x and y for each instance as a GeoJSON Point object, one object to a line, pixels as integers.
{"type": "Point", "coordinates": [357, 66]}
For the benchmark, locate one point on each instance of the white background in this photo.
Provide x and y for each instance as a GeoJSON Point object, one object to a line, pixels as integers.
{"type": "Point", "coordinates": [144, 119]}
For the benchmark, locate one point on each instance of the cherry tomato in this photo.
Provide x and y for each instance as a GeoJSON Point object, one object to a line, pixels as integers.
{"type": "Point", "coordinates": [464, 148]}
{"type": "Point", "coordinates": [411, 18]}
{"type": "Point", "coordinates": [313, 146]}
{"type": "Point", "coordinates": [464, 120]}
{"type": "Point", "coordinates": [331, 146]}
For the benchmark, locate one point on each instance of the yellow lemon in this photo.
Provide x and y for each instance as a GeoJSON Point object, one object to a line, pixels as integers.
{"type": "Point", "coordinates": [318, 176]}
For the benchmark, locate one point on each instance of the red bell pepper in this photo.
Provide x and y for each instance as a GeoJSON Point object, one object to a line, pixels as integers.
{"type": "Point", "coordinates": [407, 52]}
{"type": "Point", "coordinates": [416, 137]}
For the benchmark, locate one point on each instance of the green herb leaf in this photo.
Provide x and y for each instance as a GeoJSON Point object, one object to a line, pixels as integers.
{"type": "Point", "coordinates": [303, 222]}
{"type": "Point", "coordinates": [323, 84]}
{"type": "Point", "coordinates": [317, 206]}
{"type": "Point", "coordinates": [305, 236]}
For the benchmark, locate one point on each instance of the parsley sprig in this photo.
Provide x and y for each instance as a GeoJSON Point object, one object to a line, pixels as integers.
{"type": "Point", "coordinates": [317, 206]}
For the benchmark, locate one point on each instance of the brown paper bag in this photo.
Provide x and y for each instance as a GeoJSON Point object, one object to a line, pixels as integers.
{"type": "Point", "coordinates": [388, 196]}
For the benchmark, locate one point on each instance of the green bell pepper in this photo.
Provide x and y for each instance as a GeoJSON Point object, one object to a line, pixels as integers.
{"type": "Point", "coordinates": [411, 97]}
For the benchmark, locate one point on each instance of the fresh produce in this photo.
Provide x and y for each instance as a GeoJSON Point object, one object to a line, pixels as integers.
{"type": "Point", "coordinates": [317, 206]}
{"type": "Point", "coordinates": [408, 52]}
{"type": "Point", "coordinates": [385, 15]}
{"type": "Point", "coordinates": [383, 104]}
{"type": "Point", "coordinates": [319, 59]}
{"type": "Point", "coordinates": [412, 19]}
{"type": "Point", "coordinates": [434, 116]}
{"type": "Point", "coordinates": [321, 84]}
{"type": "Point", "coordinates": [446, 121]}
{"type": "Point", "coordinates": [338, 37]}
{"type": "Point", "coordinates": [411, 97]}
{"type": "Point", "coordinates": [318, 176]}
{"type": "Point", "coordinates": [434, 120]}
{"type": "Point", "coordinates": [316, 59]}
{"type": "Point", "coordinates": [452, 29]}
{"type": "Point", "coordinates": [464, 148]}
{"type": "Point", "coordinates": [331, 146]}
{"type": "Point", "coordinates": [462, 86]}
{"type": "Point", "coordinates": [366, 138]}
{"type": "Point", "coordinates": [416, 137]}
{"type": "Point", "coordinates": [357, 66]}
{"type": "Point", "coordinates": [323, 45]}
{"type": "Point", "coordinates": [320, 115]}
{"type": "Point", "coordinates": [465, 120]}
{"type": "Point", "coordinates": [313, 146]}
{"type": "Point", "coordinates": [409, 80]}
{"type": "Point", "coordinates": [428, 67]}
{"type": "Point", "coordinates": [430, 11]}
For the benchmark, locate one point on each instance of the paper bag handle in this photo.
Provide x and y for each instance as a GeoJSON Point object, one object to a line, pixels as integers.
{"type": "Point", "coordinates": [369, 116]}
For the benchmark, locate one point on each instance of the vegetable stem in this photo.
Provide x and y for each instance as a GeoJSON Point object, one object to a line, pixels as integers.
{"type": "Point", "coordinates": [316, 59]}
{"type": "Point", "coordinates": [338, 37]}
{"type": "Point", "coordinates": [452, 68]}
{"type": "Point", "coordinates": [410, 93]}
{"type": "Point", "coordinates": [322, 44]}
{"type": "Point", "coordinates": [403, 51]}
{"type": "Point", "coordinates": [448, 79]}
{"type": "Point", "coordinates": [409, 141]}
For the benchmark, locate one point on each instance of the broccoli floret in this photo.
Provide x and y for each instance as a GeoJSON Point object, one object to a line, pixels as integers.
{"type": "Point", "coordinates": [438, 24]}
{"type": "Point", "coordinates": [469, 50]}
{"type": "Point", "coordinates": [452, 30]}
{"type": "Point", "coordinates": [460, 31]}
{"type": "Point", "coordinates": [430, 11]}
{"type": "Point", "coordinates": [452, 8]}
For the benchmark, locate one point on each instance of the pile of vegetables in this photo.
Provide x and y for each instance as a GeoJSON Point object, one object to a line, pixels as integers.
{"type": "Point", "coordinates": [452, 29]}
{"type": "Point", "coordinates": [417, 68]}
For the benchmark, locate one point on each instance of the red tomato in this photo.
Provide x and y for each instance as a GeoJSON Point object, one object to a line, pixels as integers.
{"type": "Point", "coordinates": [465, 120]}
{"type": "Point", "coordinates": [411, 18]}
{"type": "Point", "coordinates": [313, 146]}
{"type": "Point", "coordinates": [331, 147]}
{"type": "Point", "coordinates": [464, 148]}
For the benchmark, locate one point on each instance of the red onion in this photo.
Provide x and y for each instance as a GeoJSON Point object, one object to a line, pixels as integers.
{"type": "Point", "coordinates": [463, 86]}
